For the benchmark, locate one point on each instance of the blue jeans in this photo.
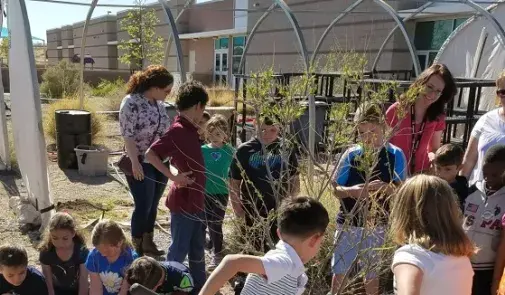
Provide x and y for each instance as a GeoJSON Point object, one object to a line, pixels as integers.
{"type": "Point", "coordinates": [146, 196]}
{"type": "Point", "coordinates": [188, 239]}
{"type": "Point", "coordinates": [346, 249]}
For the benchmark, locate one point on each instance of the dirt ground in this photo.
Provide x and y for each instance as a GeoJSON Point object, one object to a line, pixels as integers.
{"type": "Point", "coordinates": [87, 198]}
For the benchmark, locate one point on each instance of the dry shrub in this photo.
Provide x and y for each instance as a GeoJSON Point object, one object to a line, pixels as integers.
{"type": "Point", "coordinates": [49, 121]}
{"type": "Point", "coordinates": [220, 96]}
{"type": "Point", "coordinates": [60, 80]}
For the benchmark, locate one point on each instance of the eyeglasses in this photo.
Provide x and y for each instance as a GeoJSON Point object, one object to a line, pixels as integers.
{"type": "Point", "coordinates": [500, 92]}
{"type": "Point", "coordinates": [430, 89]}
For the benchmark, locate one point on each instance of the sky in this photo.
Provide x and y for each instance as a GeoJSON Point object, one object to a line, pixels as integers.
{"type": "Point", "coordinates": [44, 16]}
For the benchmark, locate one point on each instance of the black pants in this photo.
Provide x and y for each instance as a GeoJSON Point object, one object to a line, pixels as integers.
{"type": "Point", "coordinates": [58, 291]}
{"type": "Point", "coordinates": [255, 232]}
{"type": "Point", "coordinates": [256, 236]}
{"type": "Point", "coordinates": [146, 196]}
{"type": "Point", "coordinates": [215, 209]}
{"type": "Point", "coordinates": [482, 281]}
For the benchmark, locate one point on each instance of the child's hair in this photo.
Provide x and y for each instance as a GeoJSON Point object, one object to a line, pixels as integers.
{"type": "Point", "coordinates": [496, 153]}
{"type": "Point", "coordinates": [449, 154]}
{"type": "Point", "coordinates": [369, 113]}
{"type": "Point", "coordinates": [218, 122]}
{"type": "Point", "coordinates": [269, 119]}
{"type": "Point", "coordinates": [425, 212]}
{"type": "Point", "coordinates": [13, 256]}
{"type": "Point", "coordinates": [501, 79]}
{"type": "Point", "coordinates": [61, 221]}
{"type": "Point", "coordinates": [191, 94]}
{"type": "Point", "coordinates": [109, 232]}
{"type": "Point", "coordinates": [145, 271]}
{"type": "Point", "coordinates": [302, 217]}
{"type": "Point", "coordinates": [206, 116]}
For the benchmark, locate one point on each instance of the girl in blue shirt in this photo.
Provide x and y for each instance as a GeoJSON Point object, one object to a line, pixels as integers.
{"type": "Point", "coordinates": [109, 260]}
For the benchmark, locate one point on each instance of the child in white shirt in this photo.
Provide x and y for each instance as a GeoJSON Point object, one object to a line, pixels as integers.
{"type": "Point", "coordinates": [302, 222]}
{"type": "Point", "coordinates": [434, 257]}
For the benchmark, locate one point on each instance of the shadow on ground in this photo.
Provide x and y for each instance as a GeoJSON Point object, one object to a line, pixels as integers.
{"type": "Point", "coordinates": [74, 176]}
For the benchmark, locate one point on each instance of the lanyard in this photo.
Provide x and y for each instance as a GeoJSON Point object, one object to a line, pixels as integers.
{"type": "Point", "coordinates": [416, 138]}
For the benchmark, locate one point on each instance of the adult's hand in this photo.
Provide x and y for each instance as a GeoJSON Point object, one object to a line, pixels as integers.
{"type": "Point", "coordinates": [138, 172]}
{"type": "Point", "coordinates": [183, 179]}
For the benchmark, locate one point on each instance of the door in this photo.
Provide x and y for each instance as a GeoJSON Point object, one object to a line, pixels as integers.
{"type": "Point", "coordinates": [221, 66]}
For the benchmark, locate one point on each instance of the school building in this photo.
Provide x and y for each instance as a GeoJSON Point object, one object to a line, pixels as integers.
{"type": "Point", "coordinates": [213, 34]}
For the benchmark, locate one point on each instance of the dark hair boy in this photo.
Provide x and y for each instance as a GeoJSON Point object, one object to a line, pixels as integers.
{"type": "Point", "coordinates": [16, 277]}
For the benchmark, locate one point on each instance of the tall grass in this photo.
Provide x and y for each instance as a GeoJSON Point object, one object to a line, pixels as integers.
{"type": "Point", "coordinates": [49, 121]}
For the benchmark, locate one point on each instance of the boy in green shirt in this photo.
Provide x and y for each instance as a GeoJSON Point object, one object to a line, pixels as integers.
{"type": "Point", "coordinates": [217, 155]}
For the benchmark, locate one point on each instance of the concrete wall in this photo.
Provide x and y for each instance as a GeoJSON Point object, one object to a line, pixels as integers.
{"type": "Point", "coordinates": [273, 45]}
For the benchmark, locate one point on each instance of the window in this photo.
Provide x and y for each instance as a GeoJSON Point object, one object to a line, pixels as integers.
{"type": "Point", "coordinates": [430, 36]}
{"type": "Point", "coordinates": [221, 43]}
{"type": "Point", "coordinates": [238, 49]}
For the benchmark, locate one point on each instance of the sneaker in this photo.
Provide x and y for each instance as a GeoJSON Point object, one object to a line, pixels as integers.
{"type": "Point", "coordinates": [238, 284]}
{"type": "Point", "coordinates": [214, 262]}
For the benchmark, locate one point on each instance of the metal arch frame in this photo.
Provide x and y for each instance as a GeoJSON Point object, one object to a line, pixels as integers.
{"type": "Point", "coordinates": [416, 12]}
{"type": "Point", "coordinates": [175, 33]}
{"type": "Point", "coordinates": [396, 17]}
{"type": "Point", "coordinates": [169, 40]}
{"type": "Point", "coordinates": [470, 3]}
{"type": "Point", "coordinates": [303, 51]}
{"type": "Point", "coordinates": [294, 23]}
{"type": "Point", "coordinates": [330, 27]}
{"type": "Point", "coordinates": [83, 47]}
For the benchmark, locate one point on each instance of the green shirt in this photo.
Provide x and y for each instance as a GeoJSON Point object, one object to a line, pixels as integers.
{"type": "Point", "coordinates": [217, 166]}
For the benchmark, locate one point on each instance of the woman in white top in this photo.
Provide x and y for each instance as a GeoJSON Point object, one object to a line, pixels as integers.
{"type": "Point", "coordinates": [488, 131]}
{"type": "Point", "coordinates": [434, 254]}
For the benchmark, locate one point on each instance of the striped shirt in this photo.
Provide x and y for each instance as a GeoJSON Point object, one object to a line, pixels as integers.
{"type": "Point", "coordinates": [285, 274]}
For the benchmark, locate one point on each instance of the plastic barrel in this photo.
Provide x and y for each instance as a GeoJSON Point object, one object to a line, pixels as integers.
{"type": "Point", "coordinates": [73, 128]}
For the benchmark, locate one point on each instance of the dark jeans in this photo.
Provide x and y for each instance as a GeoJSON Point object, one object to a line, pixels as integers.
{"type": "Point", "coordinates": [257, 234]}
{"type": "Point", "coordinates": [146, 196]}
{"type": "Point", "coordinates": [482, 281]}
{"type": "Point", "coordinates": [215, 209]}
{"type": "Point", "coordinates": [188, 239]}
{"type": "Point", "coordinates": [65, 292]}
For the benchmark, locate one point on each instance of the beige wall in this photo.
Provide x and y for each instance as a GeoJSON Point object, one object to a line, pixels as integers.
{"type": "Point", "coordinates": [273, 45]}
{"type": "Point", "coordinates": [275, 42]}
{"type": "Point", "coordinates": [211, 16]}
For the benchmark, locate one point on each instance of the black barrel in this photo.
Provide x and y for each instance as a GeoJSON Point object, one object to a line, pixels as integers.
{"type": "Point", "coordinates": [171, 110]}
{"type": "Point", "coordinates": [73, 128]}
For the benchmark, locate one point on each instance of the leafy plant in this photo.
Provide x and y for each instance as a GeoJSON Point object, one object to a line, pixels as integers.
{"type": "Point", "coordinates": [60, 80]}
{"type": "Point", "coordinates": [144, 45]}
{"type": "Point", "coordinates": [106, 87]}
{"type": "Point", "coordinates": [4, 50]}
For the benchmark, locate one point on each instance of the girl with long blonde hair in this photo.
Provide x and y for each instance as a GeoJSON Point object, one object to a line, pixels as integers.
{"type": "Point", "coordinates": [434, 253]}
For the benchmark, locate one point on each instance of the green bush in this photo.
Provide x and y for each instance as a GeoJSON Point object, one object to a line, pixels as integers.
{"type": "Point", "coordinates": [106, 87]}
{"type": "Point", "coordinates": [60, 80]}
